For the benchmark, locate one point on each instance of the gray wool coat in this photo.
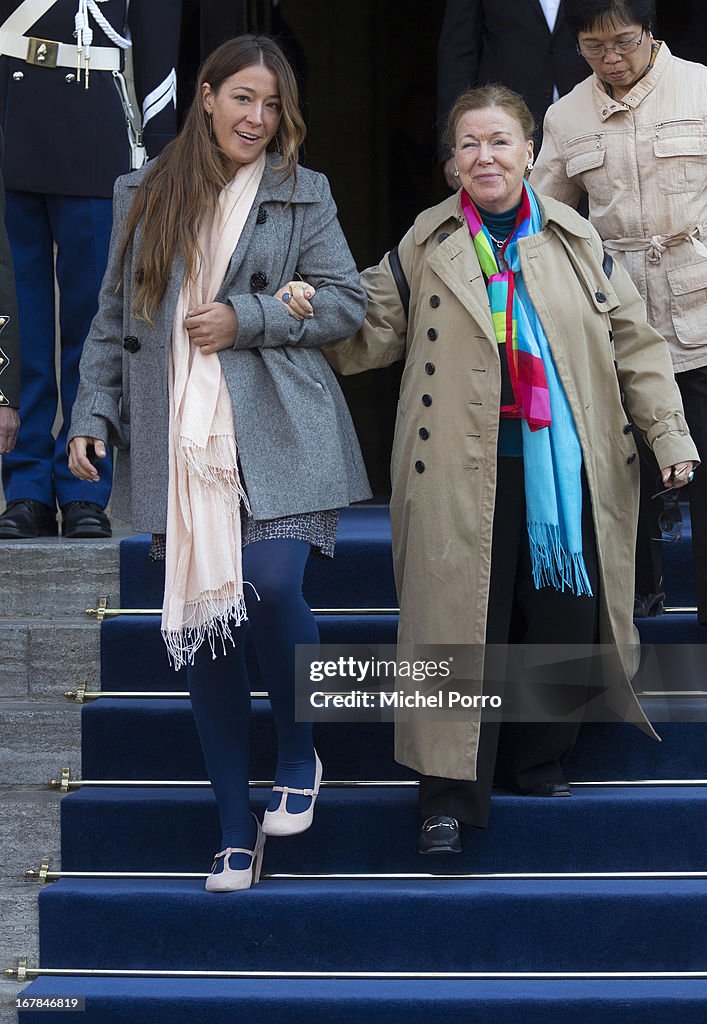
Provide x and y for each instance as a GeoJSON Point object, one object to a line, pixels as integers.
{"type": "Point", "coordinates": [297, 444]}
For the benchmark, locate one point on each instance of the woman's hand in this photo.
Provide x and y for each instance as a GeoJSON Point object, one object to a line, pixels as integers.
{"type": "Point", "coordinates": [678, 475]}
{"type": "Point", "coordinates": [296, 295]}
{"type": "Point", "coordinates": [212, 327]}
{"type": "Point", "coordinates": [80, 462]}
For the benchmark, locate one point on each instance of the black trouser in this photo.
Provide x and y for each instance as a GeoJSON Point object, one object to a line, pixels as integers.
{"type": "Point", "coordinates": [693, 388]}
{"type": "Point", "coordinates": [522, 754]}
{"type": "Point", "coordinates": [649, 547]}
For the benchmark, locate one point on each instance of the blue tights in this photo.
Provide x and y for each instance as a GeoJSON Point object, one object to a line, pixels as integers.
{"type": "Point", "coordinates": [220, 690]}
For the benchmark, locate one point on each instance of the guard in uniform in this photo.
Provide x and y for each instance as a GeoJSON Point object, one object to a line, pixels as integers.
{"type": "Point", "coordinates": [9, 339]}
{"type": "Point", "coordinates": [68, 135]}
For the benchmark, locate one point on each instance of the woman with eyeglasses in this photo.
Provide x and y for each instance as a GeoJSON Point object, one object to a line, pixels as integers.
{"type": "Point", "coordinates": [633, 137]}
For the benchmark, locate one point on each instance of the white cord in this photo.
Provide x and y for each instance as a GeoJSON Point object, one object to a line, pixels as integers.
{"type": "Point", "coordinates": [108, 29]}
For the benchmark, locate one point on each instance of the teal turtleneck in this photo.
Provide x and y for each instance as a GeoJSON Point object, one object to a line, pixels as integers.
{"type": "Point", "coordinates": [510, 438]}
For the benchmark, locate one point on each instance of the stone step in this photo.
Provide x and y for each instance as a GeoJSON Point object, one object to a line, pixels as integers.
{"type": "Point", "coordinates": [43, 658]}
{"type": "Point", "coordinates": [38, 739]}
{"type": "Point", "coordinates": [53, 578]}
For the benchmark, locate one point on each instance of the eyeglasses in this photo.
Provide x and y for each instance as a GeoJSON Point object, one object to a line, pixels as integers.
{"type": "Point", "coordinates": [595, 51]}
{"type": "Point", "coordinates": [670, 519]}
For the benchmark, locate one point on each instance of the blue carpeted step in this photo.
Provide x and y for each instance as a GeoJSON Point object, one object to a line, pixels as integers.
{"type": "Point", "coordinates": [361, 572]}
{"type": "Point", "coordinates": [678, 567]}
{"type": "Point", "coordinates": [672, 629]}
{"type": "Point", "coordinates": [134, 656]}
{"type": "Point", "coordinates": [567, 925]}
{"type": "Point", "coordinates": [359, 575]}
{"type": "Point", "coordinates": [169, 1000]}
{"type": "Point", "coordinates": [375, 830]}
{"type": "Point", "coordinates": [142, 739]}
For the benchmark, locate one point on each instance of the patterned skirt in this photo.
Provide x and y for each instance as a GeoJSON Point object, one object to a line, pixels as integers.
{"type": "Point", "coordinates": [318, 529]}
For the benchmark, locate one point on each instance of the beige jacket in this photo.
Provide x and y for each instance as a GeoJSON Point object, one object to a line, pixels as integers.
{"type": "Point", "coordinates": [643, 163]}
{"type": "Point", "coordinates": [443, 465]}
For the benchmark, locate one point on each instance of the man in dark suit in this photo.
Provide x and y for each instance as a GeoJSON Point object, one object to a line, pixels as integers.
{"type": "Point", "coordinates": [9, 339]}
{"type": "Point", "coordinates": [64, 114]}
{"type": "Point", "coordinates": [524, 44]}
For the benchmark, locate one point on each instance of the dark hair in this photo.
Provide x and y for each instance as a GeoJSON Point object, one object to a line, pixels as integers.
{"type": "Point", "coordinates": [482, 98]}
{"type": "Point", "coordinates": [180, 188]}
{"type": "Point", "coordinates": [584, 15]}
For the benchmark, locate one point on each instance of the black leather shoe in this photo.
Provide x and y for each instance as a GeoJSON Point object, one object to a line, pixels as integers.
{"type": "Point", "coordinates": [645, 606]}
{"type": "Point", "coordinates": [26, 518]}
{"type": "Point", "coordinates": [84, 519]}
{"type": "Point", "coordinates": [550, 789]}
{"type": "Point", "coordinates": [440, 834]}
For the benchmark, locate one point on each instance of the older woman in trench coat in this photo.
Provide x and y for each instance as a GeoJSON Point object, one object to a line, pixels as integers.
{"type": "Point", "coordinates": [464, 464]}
{"type": "Point", "coordinates": [238, 442]}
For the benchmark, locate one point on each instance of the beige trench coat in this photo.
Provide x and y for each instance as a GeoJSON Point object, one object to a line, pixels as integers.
{"type": "Point", "coordinates": [443, 494]}
{"type": "Point", "coordinates": [643, 163]}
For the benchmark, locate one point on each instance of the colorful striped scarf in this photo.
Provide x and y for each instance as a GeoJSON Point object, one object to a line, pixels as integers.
{"type": "Point", "coordinates": [519, 349]}
{"type": "Point", "coordinates": [552, 453]}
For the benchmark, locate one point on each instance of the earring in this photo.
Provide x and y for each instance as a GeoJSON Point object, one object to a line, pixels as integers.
{"type": "Point", "coordinates": [456, 173]}
{"type": "Point", "coordinates": [211, 126]}
{"type": "Point", "coordinates": [530, 165]}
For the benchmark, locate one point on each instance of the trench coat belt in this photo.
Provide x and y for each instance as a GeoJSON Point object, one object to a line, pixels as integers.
{"type": "Point", "coordinates": [657, 244]}
{"type": "Point", "coordinates": [103, 58]}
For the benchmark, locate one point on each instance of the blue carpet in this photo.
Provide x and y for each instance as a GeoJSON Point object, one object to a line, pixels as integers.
{"type": "Point", "coordinates": [374, 830]}
{"type": "Point", "coordinates": [362, 567]}
{"type": "Point", "coordinates": [343, 925]}
{"type": "Point", "coordinates": [225, 1001]}
{"type": "Point", "coordinates": [119, 742]}
{"type": "Point", "coordinates": [328, 924]}
{"type": "Point", "coordinates": [134, 656]}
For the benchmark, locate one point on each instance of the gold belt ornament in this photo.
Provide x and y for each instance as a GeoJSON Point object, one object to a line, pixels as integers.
{"type": "Point", "coordinates": [43, 52]}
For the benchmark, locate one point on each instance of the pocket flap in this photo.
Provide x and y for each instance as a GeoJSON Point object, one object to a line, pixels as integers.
{"type": "Point", "coordinates": [682, 145]}
{"type": "Point", "coordinates": [581, 162]}
{"type": "Point", "coordinates": [692, 278]}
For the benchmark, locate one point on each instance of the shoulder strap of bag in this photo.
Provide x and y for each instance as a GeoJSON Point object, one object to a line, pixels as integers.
{"type": "Point", "coordinates": [401, 282]}
{"type": "Point", "coordinates": [26, 15]}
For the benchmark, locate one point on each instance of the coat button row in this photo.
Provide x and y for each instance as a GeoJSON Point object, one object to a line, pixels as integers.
{"type": "Point", "coordinates": [600, 297]}
{"type": "Point", "coordinates": [258, 281]}
{"type": "Point", "coordinates": [131, 344]}
{"type": "Point", "coordinates": [432, 334]}
{"type": "Point", "coordinates": [420, 466]}
{"type": "Point", "coordinates": [427, 400]}
{"type": "Point", "coordinates": [443, 237]}
{"type": "Point", "coordinates": [262, 215]}
{"type": "Point", "coordinates": [429, 368]}
{"type": "Point", "coordinates": [435, 301]}
{"type": "Point", "coordinates": [631, 458]}
{"type": "Point", "coordinates": [627, 428]}
{"type": "Point", "coordinates": [424, 433]}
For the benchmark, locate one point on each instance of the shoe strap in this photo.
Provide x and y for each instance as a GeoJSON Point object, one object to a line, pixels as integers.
{"type": "Point", "coordinates": [232, 849]}
{"type": "Point", "coordinates": [298, 792]}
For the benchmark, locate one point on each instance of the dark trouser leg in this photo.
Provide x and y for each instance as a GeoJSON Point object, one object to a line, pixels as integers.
{"type": "Point", "coordinates": [693, 388]}
{"type": "Point", "coordinates": [649, 561]}
{"type": "Point", "coordinates": [279, 621]}
{"type": "Point", "coordinates": [27, 471]}
{"type": "Point", "coordinates": [531, 753]}
{"type": "Point", "coordinates": [470, 801]}
{"type": "Point", "coordinates": [81, 227]}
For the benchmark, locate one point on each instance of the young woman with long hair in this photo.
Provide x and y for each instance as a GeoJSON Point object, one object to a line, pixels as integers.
{"type": "Point", "coordinates": [240, 448]}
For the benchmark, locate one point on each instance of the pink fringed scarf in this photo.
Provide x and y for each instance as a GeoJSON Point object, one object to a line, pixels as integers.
{"type": "Point", "coordinates": [203, 596]}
